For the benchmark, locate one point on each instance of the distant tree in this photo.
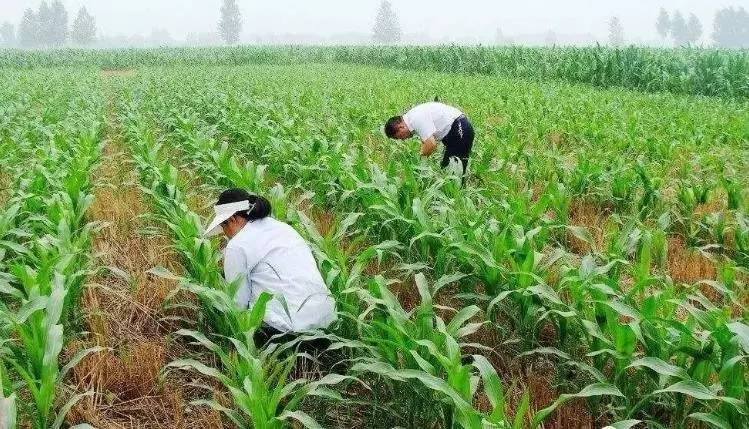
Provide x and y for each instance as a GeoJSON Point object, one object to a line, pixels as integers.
{"type": "Point", "coordinates": [29, 33]}
{"type": "Point", "coordinates": [679, 30]}
{"type": "Point", "coordinates": [159, 37]}
{"type": "Point", "coordinates": [663, 24]}
{"type": "Point", "coordinates": [551, 38]}
{"type": "Point", "coordinates": [84, 28]}
{"type": "Point", "coordinates": [58, 30]}
{"type": "Point", "coordinates": [7, 35]}
{"type": "Point", "coordinates": [387, 28]}
{"type": "Point", "coordinates": [694, 29]}
{"type": "Point", "coordinates": [731, 28]}
{"type": "Point", "coordinates": [230, 25]}
{"type": "Point", "coordinates": [499, 37]}
{"type": "Point", "coordinates": [44, 22]}
{"type": "Point", "coordinates": [616, 32]}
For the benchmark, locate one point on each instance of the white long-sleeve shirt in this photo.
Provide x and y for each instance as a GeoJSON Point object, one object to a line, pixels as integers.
{"type": "Point", "coordinates": [431, 119]}
{"type": "Point", "coordinates": [270, 256]}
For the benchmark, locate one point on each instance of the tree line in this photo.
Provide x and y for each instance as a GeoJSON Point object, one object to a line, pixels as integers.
{"type": "Point", "coordinates": [48, 27]}
{"type": "Point", "coordinates": [730, 28]}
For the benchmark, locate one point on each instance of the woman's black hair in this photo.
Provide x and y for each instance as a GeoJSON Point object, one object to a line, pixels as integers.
{"type": "Point", "coordinates": [260, 207]}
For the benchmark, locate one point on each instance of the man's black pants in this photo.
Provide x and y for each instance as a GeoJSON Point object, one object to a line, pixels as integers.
{"type": "Point", "coordinates": [459, 142]}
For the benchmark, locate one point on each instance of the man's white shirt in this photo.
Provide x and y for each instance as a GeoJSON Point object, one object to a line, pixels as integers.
{"type": "Point", "coordinates": [270, 256]}
{"type": "Point", "coordinates": [431, 119]}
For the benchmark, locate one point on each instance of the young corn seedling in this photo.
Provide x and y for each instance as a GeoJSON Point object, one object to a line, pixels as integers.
{"type": "Point", "coordinates": [420, 346]}
{"type": "Point", "coordinates": [258, 380]}
{"type": "Point", "coordinates": [341, 260]}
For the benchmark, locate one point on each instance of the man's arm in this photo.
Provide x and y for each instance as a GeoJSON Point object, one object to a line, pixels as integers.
{"type": "Point", "coordinates": [428, 146]}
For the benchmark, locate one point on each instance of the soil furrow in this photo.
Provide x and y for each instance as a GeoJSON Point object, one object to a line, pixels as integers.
{"type": "Point", "coordinates": [124, 310]}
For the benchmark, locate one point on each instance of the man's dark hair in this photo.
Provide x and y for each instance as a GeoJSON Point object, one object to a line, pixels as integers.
{"type": "Point", "coordinates": [391, 126]}
{"type": "Point", "coordinates": [260, 207]}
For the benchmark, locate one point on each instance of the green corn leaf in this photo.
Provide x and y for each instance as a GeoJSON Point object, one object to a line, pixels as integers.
{"type": "Point", "coordinates": [53, 345]}
{"type": "Point", "coordinates": [439, 385]}
{"type": "Point", "coordinates": [498, 299]}
{"type": "Point", "coordinates": [380, 368]}
{"type": "Point", "coordinates": [446, 280]}
{"type": "Point", "coordinates": [423, 287]}
{"type": "Point", "coordinates": [233, 415]}
{"type": "Point", "coordinates": [596, 389]}
{"type": "Point", "coordinates": [6, 288]}
{"type": "Point", "coordinates": [463, 316]}
{"type": "Point", "coordinates": [23, 250]}
{"type": "Point", "coordinates": [742, 334]}
{"type": "Point", "coordinates": [548, 351]}
{"type": "Point", "coordinates": [191, 364]}
{"type": "Point", "coordinates": [623, 309]}
{"type": "Point", "coordinates": [301, 417]}
{"type": "Point", "coordinates": [257, 314]}
{"type": "Point", "coordinates": [699, 391]}
{"type": "Point", "coordinates": [623, 424]}
{"type": "Point", "coordinates": [711, 419]}
{"type": "Point", "coordinates": [492, 384]}
{"type": "Point", "coordinates": [522, 411]}
{"type": "Point", "coordinates": [164, 273]}
{"type": "Point", "coordinates": [692, 388]}
{"type": "Point", "coordinates": [345, 225]}
{"type": "Point", "coordinates": [29, 308]}
{"type": "Point", "coordinates": [581, 233]}
{"type": "Point", "coordinates": [75, 360]}
{"type": "Point", "coordinates": [661, 367]}
{"type": "Point", "coordinates": [423, 363]}
{"type": "Point", "coordinates": [545, 292]}
{"type": "Point", "coordinates": [324, 392]}
{"type": "Point", "coordinates": [65, 409]}
{"type": "Point", "coordinates": [333, 379]}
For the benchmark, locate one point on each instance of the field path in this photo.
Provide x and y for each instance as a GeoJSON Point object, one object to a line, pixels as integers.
{"type": "Point", "coordinates": [123, 306]}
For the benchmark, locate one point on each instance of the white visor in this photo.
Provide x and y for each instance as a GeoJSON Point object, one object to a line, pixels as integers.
{"type": "Point", "coordinates": [223, 213]}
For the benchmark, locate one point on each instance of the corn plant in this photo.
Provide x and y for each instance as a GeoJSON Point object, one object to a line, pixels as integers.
{"type": "Point", "coordinates": [615, 310]}
{"type": "Point", "coordinates": [263, 393]}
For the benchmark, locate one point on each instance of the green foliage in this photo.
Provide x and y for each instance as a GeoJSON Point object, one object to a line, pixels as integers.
{"type": "Point", "coordinates": [558, 247]}
{"type": "Point", "coordinates": [710, 72]}
{"type": "Point", "coordinates": [45, 241]}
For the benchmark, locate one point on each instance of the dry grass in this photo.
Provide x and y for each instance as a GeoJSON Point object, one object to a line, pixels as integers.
{"type": "Point", "coordinates": [687, 265]}
{"type": "Point", "coordinates": [593, 218]}
{"type": "Point", "coordinates": [323, 219]}
{"type": "Point", "coordinates": [123, 311]}
{"type": "Point", "coordinates": [718, 202]}
{"type": "Point", "coordinates": [533, 375]}
{"type": "Point", "coordinates": [5, 182]}
{"type": "Point", "coordinates": [559, 140]}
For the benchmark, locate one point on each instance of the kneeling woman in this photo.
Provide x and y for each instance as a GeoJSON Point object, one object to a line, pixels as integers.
{"type": "Point", "coordinates": [270, 256]}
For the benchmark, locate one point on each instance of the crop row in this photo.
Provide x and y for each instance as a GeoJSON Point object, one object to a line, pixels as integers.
{"type": "Point", "coordinates": [446, 232]}
{"type": "Point", "coordinates": [45, 240]}
{"type": "Point", "coordinates": [436, 351]}
{"type": "Point", "coordinates": [711, 72]}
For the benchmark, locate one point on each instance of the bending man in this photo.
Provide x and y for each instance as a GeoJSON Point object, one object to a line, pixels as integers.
{"type": "Point", "coordinates": [433, 122]}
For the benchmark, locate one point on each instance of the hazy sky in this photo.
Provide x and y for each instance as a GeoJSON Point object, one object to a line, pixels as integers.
{"type": "Point", "coordinates": [437, 18]}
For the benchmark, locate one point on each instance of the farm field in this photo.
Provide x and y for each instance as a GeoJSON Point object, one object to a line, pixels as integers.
{"type": "Point", "coordinates": [592, 271]}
